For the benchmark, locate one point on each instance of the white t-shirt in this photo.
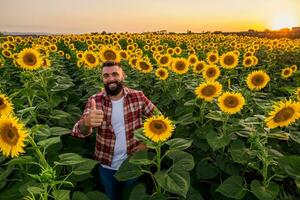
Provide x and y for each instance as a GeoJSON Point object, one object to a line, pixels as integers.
{"type": "Point", "coordinates": [118, 125]}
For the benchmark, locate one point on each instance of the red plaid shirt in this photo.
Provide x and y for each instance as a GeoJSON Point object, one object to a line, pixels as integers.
{"type": "Point", "coordinates": [136, 104]}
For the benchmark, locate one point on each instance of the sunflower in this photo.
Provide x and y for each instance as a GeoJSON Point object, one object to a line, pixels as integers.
{"type": "Point", "coordinates": [109, 54]}
{"type": "Point", "coordinates": [208, 90]}
{"type": "Point", "coordinates": [53, 48]}
{"type": "Point", "coordinates": [192, 59]}
{"type": "Point", "coordinates": [144, 66]}
{"type": "Point", "coordinates": [162, 73]}
{"type": "Point", "coordinates": [211, 72]}
{"type": "Point", "coordinates": [286, 72]}
{"type": "Point", "coordinates": [30, 59]}
{"type": "Point", "coordinates": [6, 53]}
{"type": "Point", "coordinates": [297, 93]}
{"type": "Point", "coordinates": [164, 60]}
{"type": "Point", "coordinates": [177, 50]}
{"type": "Point", "coordinates": [231, 102]}
{"type": "Point", "coordinates": [12, 136]}
{"type": "Point", "coordinates": [294, 68]}
{"type": "Point", "coordinates": [199, 67]}
{"type": "Point", "coordinates": [90, 59]}
{"type": "Point", "coordinates": [170, 51]}
{"type": "Point", "coordinates": [180, 65]}
{"type": "Point", "coordinates": [248, 61]}
{"type": "Point", "coordinates": [158, 128]}
{"type": "Point", "coordinates": [5, 105]}
{"type": "Point", "coordinates": [212, 57]}
{"type": "Point", "coordinates": [283, 114]}
{"type": "Point", "coordinates": [124, 55]}
{"type": "Point", "coordinates": [257, 80]}
{"type": "Point", "coordinates": [229, 60]}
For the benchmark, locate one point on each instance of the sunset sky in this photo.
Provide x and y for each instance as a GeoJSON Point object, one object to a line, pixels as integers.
{"type": "Point", "coordinates": [83, 16]}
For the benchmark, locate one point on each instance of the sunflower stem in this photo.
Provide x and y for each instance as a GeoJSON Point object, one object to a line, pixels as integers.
{"type": "Point", "coordinates": [38, 152]}
{"type": "Point", "coordinates": [158, 159]}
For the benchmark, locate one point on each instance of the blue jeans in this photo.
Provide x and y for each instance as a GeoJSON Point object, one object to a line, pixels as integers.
{"type": "Point", "coordinates": [112, 187]}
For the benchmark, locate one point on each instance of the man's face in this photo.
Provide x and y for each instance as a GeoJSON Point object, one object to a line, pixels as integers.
{"type": "Point", "coordinates": [113, 78]}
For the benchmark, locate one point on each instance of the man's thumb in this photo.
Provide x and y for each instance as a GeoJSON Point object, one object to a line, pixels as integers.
{"type": "Point", "coordinates": [93, 104]}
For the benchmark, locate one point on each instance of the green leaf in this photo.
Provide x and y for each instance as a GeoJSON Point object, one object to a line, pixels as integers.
{"type": "Point", "coordinates": [41, 131]}
{"type": "Point", "coordinates": [142, 158]}
{"type": "Point", "coordinates": [185, 119]}
{"type": "Point", "coordinates": [206, 170]}
{"type": "Point", "coordinates": [128, 171]}
{"type": "Point", "coordinates": [295, 136]}
{"type": "Point", "coordinates": [84, 167]}
{"type": "Point", "coordinates": [69, 159]}
{"type": "Point", "coordinates": [139, 193]}
{"type": "Point", "coordinates": [239, 152]}
{"type": "Point", "coordinates": [59, 131]}
{"type": "Point", "coordinates": [59, 115]}
{"type": "Point", "coordinates": [176, 181]}
{"type": "Point", "coordinates": [216, 115]}
{"type": "Point", "coordinates": [179, 143]}
{"type": "Point", "coordinates": [264, 193]}
{"type": "Point", "coordinates": [290, 165]}
{"type": "Point", "coordinates": [79, 196]}
{"type": "Point", "coordinates": [233, 187]}
{"type": "Point", "coordinates": [216, 141]}
{"type": "Point", "coordinates": [35, 190]}
{"type": "Point", "coordinates": [181, 160]}
{"type": "Point", "coordinates": [192, 102]}
{"type": "Point", "coordinates": [96, 195]}
{"type": "Point", "coordinates": [21, 160]}
{"type": "Point", "coordinates": [48, 142]}
{"type": "Point", "coordinates": [61, 194]}
{"type": "Point", "coordinates": [139, 135]}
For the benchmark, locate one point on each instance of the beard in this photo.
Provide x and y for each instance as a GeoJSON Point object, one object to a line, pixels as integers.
{"type": "Point", "coordinates": [113, 88]}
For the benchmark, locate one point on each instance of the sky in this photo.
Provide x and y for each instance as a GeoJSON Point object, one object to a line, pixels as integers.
{"type": "Point", "coordinates": [84, 16]}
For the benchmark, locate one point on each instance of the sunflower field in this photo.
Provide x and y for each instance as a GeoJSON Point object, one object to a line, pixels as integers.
{"type": "Point", "coordinates": [230, 107]}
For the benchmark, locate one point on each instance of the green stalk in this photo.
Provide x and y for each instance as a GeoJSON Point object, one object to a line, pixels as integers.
{"type": "Point", "coordinates": [38, 152]}
{"type": "Point", "coordinates": [158, 160]}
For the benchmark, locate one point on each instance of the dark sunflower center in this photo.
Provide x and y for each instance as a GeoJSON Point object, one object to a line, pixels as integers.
{"type": "Point", "coordinates": [211, 72]}
{"type": "Point", "coordinates": [213, 58]}
{"type": "Point", "coordinates": [144, 66]}
{"type": "Point", "coordinates": [284, 114]}
{"type": "Point", "coordinates": [161, 73]}
{"type": "Point", "coordinates": [123, 54]}
{"type": "Point", "coordinates": [257, 80]}
{"type": "Point", "coordinates": [30, 59]}
{"type": "Point", "coordinates": [209, 90]}
{"type": "Point", "coordinates": [164, 60]}
{"type": "Point", "coordinates": [158, 127]}
{"type": "Point", "coordinates": [2, 105]}
{"type": "Point", "coordinates": [229, 60]}
{"type": "Point", "coordinates": [90, 58]}
{"type": "Point", "coordinates": [6, 53]}
{"type": "Point", "coordinates": [10, 134]}
{"type": "Point", "coordinates": [199, 67]}
{"type": "Point", "coordinates": [109, 55]}
{"type": "Point", "coordinates": [180, 65]}
{"type": "Point", "coordinates": [286, 72]}
{"type": "Point", "coordinates": [248, 61]}
{"type": "Point", "coordinates": [231, 102]}
{"type": "Point", "coordinates": [192, 60]}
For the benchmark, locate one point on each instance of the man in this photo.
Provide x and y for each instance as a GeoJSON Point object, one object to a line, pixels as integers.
{"type": "Point", "coordinates": [116, 112]}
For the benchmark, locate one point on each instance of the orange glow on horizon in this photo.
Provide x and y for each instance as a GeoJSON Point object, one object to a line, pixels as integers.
{"type": "Point", "coordinates": [284, 20]}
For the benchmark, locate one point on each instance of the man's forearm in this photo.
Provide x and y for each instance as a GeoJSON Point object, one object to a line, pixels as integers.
{"type": "Point", "coordinates": [85, 130]}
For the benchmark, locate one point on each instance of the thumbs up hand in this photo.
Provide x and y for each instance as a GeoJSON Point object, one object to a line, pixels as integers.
{"type": "Point", "coordinates": [94, 117]}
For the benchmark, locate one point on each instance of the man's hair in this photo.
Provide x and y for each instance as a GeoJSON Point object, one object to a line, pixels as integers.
{"type": "Point", "coordinates": [111, 63]}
